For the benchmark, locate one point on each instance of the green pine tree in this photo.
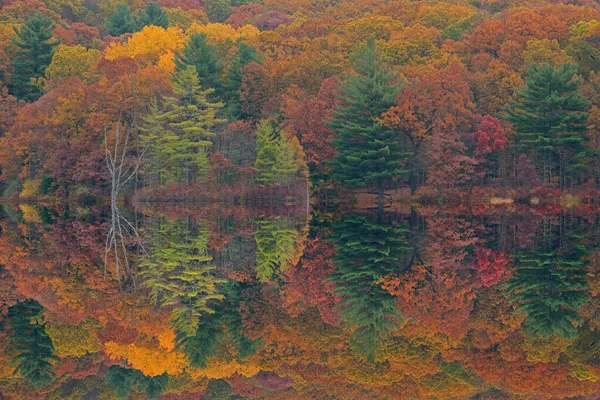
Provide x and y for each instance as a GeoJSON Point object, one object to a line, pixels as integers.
{"type": "Point", "coordinates": [121, 20]}
{"type": "Point", "coordinates": [231, 87]}
{"type": "Point", "coordinates": [198, 52]}
{"type": "Point", "coordinates": [153, 14]}
{"type": "Point", "coordinates": [286, 164]}
{"type": "Point", "coordinates": [35, 352]}
{"type": "Point", "coordinates": [368, 151]}
{"type": "Point", "coordinates": [367, 251]}
{"type": "Point", "coordinates": [550, 120]}
{"type": "Point", "coordinates": [33, 56]}
{"type": "Point", "coordinates": [266, 153]}
{"type": "Point", "coordinates": [178, 133]}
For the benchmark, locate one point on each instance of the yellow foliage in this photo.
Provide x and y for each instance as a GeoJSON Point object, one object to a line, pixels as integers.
{"type": "Point", "coordinates": [153, 45]}
{"type": "Point", "coordinates": [167, 339]}
{"type": "Point", "coordinates": [579, 372]}
{"type": "Point", "coordinates": [30, 213]}
{"type": "Point", "coordinates": [222, 32]}
{"type": "Point", "coordinates": [151, 362]}
{"type": "Point", "coordinates": [545, 350]}
{"type": "Point", "coordinates": [220, 369]}
{"type": "Point", "coordinates": [73, 340]}
{"type": "Point", "coordinates": [30, 189]}
{"type": "Point", "coordinates": [544, 51]}
{"type": "Point", "coordinates": [76, 61]}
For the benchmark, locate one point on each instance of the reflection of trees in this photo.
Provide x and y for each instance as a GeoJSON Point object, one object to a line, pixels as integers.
{"type": "Point", "coordinates": [275, 246]}
{"type": "Point", "coordinates": [366, 252]}
{"type": "Point", "coordinates": [124, 380]}
{"type": "Point", "coordinates": [35, 352]}
{"type": "Point", "coordinates": [177, 272]}
{"type": "Point", "coordinates": [550, 285]}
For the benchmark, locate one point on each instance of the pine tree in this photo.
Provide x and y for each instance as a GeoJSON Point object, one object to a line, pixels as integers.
{"type": "Point", "coordinates": [266, 153]}
{"type": "Point", "coordinates": [178, 134]}
{"type": "Point", "coordinates": [33, 57]}
{"type": "Point", "coordinates": [550, 120]}
{"type": "Point", "coordinates": [35, 352]}
{"type": "Point", "coordinates": [367, 150]}
{"type": "Point", "coordinates": [121, 20]}
{"type": "Point", "coordinates": [231, 87]}
{"type": "Point", "coordinates": [286, 163]}
{"type": "Point", "coordinates": [198, 52]}
{"type": "Point", "coordinates": [153, 14]}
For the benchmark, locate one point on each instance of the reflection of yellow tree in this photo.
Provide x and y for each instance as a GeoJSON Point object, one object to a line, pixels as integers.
{"type": "Point", "coordinates": [73, 340]}
{"type": "Point", "coordinates": [176, 271]}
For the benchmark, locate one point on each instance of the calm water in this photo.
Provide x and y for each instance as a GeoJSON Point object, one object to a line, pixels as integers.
{"type": "Point", "coordinates": [225, 303]}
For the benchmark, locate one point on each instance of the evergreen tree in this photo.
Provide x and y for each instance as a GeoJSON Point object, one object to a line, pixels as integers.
{"type": "Point", "coordinates": [35, 352]}
{"type": "Point", "coordinates": [266, 153]}
{"type": "Point", "coordinates": [550, 120]}
{"type": "Point", "coordinates": [275, 156]}
{"type": "Point", "coordinates": [178, 135]}
{"type": "Point", "coordinates": [366, 252]}
{"type": "Point", "coordinates": [231, 87]}
{"type": "Point", "coordinates": [153, 14]}
{"type": "Point", "coordinates": [33, 56]}
{"type": "Point", "coordinates": [367, 150]}
{"type": "Point", "coordinates": [285, 160]}
{"type": "Point", "coordinates": [121, 20]}
{"type": "Point", "coordinates": [198, 52]}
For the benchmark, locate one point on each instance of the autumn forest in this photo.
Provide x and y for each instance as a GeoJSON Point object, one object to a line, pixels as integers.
{"type": "Point", "coordinates": [300, 199]}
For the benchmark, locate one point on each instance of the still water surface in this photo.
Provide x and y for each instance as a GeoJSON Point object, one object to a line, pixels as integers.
{"type": "Point", "coordinates": [227, 303]}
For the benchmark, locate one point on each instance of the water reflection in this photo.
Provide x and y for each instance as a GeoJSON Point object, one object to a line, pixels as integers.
{"type": "Point", "coordinates": [239, 303]}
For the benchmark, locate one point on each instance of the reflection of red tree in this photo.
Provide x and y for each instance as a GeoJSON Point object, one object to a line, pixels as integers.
{"type": "Point", "coordinates": [489, 265]}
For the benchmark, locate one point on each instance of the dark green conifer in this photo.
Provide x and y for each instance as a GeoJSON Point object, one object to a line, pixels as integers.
{"type": "Point", "coordinates": [33, 56]}
{"type": "Point", "coordinates": [121, 20]}
{"type": "Point", "coordinates": [550, 120]}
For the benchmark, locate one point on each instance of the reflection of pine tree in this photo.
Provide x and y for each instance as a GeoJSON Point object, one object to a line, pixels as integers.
{"type": "Point", "coordinates": [550, 286]}
{"type": "Point", "coordinates": [177, 273]}
{"type": "Point", "coordinates": [213, 329]}
{"type": "Point", "coordinates": [33, 345]}
{"type": "Point", "coordinates": [124, 380]}
{"type": "Point", "coordinates": [275, 246]}
{"type": "Point", "coordinates": [366, 252]}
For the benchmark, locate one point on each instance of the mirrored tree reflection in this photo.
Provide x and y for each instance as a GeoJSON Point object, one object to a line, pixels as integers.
{"type": "Point", "coordinates": [550, 285]}
{"type": "Point", "coordinates": [367, 251]}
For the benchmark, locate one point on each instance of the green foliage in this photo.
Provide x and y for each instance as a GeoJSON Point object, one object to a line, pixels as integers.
{"type": "Point", "coordinates": [275, 246]}
{"type": "Point", "coordinates": [550, 120]}
{"type": "Point", "coordinates": [177, 272]}
{"type": "Point", "coordinates": [121, 20]}
{"type": "Point", "coordinates": [218, 10]}
{"type": "Point", "coordinates": [124, 380]}
{"type": "Point", "coordinates": [178, 133]}
{"type": "Point", "coordinates": [33, 57]}
{"type": "Point", "coordinates": [366, 252]}
{"type": "Point", "coordinates": [367, 150]}
{"type": "Point", "coordinates": [153, 14]}
{"type": "Point", "coordinates": [231, 87]}
{"type": "Point", "coordinates": [276, 158]}
{"type": "Point", "coordinates": [550, 287]}
{"type": "Point", "coordinates": [35, 352]}
{"type": "Point", "coordinates": [198, 52]}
